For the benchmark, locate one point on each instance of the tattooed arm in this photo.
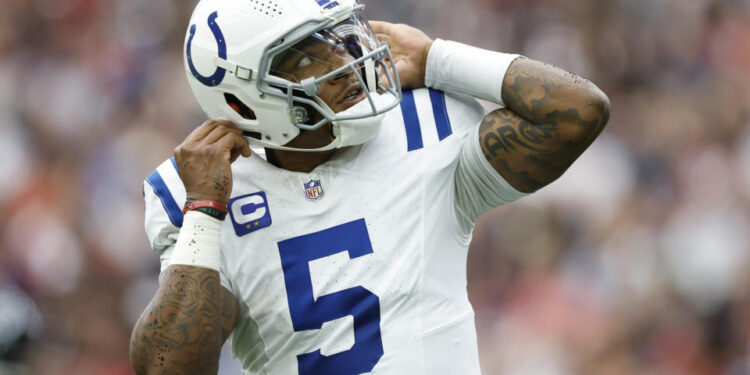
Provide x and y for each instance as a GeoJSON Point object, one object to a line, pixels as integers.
{"type": "Point", "coordinates": [183, 328]}
{"type": "Point", "coordinates": [550, 118]}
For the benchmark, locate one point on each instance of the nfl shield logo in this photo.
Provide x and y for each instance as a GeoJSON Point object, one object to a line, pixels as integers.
{"type": "Point", "coordinates": [313, 190]}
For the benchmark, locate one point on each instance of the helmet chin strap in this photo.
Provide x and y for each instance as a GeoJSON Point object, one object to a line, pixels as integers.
{"type": "Point", "coordinates": [371, 76]}
{"type": "Point", "coordinates": [232, 68]}
{"type": "Point", "coordinates": [361, 130]}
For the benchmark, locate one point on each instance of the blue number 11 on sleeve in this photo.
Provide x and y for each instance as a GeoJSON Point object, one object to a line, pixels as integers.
{"type": "Point", "coordinates": [309, 313]}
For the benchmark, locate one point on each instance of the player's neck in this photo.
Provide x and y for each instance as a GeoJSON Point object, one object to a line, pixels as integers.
{"type": "Point", "coordinates": [296, 161]}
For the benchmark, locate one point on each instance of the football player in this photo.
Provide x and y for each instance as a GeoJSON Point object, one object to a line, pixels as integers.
{"type": "Point", "coordinates": [342, 248]}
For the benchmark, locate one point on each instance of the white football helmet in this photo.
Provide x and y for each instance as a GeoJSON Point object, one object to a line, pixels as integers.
{"type": "Point", "coordinates": [241, 56]}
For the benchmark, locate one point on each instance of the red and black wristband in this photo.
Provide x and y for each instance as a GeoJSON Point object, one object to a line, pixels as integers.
{"type": "Point", "coordinates": [215, 209]}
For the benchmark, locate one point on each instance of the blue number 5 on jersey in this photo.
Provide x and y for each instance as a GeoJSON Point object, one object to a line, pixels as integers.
{"type": "Point", "coordinates": [309, 313]}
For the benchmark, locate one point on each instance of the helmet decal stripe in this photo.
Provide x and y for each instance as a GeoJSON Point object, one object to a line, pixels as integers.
{"type": "Point", "coordinates": [218, 76]}
{"type": "Point", "coordinates": [327, 4]}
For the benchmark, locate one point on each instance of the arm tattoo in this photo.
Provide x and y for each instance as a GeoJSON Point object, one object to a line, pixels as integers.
{"type": "Point", "coordinates": [184, 326]}
{"type": "Point", "coordinates": [551, 117]}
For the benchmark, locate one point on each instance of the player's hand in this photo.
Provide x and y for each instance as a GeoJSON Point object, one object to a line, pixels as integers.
{"type": "Point", "coordinates": [409, 47]}
{"type": "Point", "coordinates": [204, 159]}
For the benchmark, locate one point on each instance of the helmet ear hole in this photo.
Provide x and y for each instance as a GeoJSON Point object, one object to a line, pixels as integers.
{"type": "Point", "coordinates": [239, 107]}
{"type": "Point", "coordinates": [305, 114]}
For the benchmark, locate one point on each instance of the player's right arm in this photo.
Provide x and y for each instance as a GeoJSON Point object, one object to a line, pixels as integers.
{"type": "Point", "coordinates": [184, 327]}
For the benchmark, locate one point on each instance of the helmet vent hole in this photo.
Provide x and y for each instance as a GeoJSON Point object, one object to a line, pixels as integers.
{"type": "Point", "coordinates": [239, 107]}
{"type": "Point", "coordinates": [265, 8]}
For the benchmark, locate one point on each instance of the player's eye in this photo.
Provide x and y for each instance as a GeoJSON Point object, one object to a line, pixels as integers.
{"type": "Point", "coordinates": [344, 74]}
{"type": "Point", "coordinates": [304, 62]}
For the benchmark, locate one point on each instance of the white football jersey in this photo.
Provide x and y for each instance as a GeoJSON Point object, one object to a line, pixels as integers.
{"type": "Point", "coordinates": [359, 266]}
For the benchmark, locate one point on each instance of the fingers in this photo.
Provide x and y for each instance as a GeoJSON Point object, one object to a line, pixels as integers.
{"type": "Point", "coordinates": [233, 145]}
{"type": "Point", "coordinates": [219, 131]}
{"type": "Point", "coordinates": [244, 151]}
{"type": "Point", "coordinates": [381, 27]}
{"type": "Point", "coordinates": [214, 134]}
{"type": "Point", "coordinates": [200, 132]}
{"type": "Point", "coordinates": [245, 148]}
{"type": "Point", "coordinates": [385, 38]}
{"type": "Point", "coordinates": [383, 31]}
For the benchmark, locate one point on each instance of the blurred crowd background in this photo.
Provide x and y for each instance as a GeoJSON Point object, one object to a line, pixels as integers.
{"type": "Point", "coordinates": [635, 262]}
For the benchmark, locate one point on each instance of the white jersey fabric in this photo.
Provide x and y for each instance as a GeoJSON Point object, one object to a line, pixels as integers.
{"type": "Point", "coordinates": [360, 265]}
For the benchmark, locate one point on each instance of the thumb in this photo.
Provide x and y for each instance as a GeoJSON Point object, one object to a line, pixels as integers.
{"type": "Point", "coordinates": [237, 151]}
{"type": "Point", "coordinates": [246, 152]}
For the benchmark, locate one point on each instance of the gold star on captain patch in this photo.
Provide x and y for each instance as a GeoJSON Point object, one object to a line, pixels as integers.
{"type": "Point", "coordinates": [256, 223]}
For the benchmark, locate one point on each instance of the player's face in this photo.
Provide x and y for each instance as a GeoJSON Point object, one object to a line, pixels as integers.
{"type": "Point", "coordinates": [319, 59]}
{"type": "Point", "coordinates": [340, 93]}
{"type": "Point", "coordinates": [330, 49]}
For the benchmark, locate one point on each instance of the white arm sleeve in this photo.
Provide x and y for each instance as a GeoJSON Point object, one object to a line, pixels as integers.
{"type": "Point", "coordinates": [479, 187]}
{"type": "Point", "coordinates": [460, 68]}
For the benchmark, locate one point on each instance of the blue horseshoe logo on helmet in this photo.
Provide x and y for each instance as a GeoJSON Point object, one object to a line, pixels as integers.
{"type": "Point", "coordinates": [218, 76]}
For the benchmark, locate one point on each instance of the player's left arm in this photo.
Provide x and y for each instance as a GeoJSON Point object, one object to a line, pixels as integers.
{"type": "Point", "coordinates": [551, 117]}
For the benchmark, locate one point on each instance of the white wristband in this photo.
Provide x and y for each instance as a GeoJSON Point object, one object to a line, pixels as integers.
{"type": "Point", "coordinates": [198, 243]}
{"type": "Point", "coordinates": [460, 68]}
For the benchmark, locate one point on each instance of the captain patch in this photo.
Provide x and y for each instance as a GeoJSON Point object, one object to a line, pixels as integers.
{"type": "Point", "coordinates": [249, 213]}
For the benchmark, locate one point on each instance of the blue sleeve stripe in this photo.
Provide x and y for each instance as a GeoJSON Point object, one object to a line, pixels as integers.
{"type": "Point", "coordinates": [174, 163]}
{"type": "Point", "coordinates": [442, 121]}
{"type": "Point", "coordinates": [160, 188]}
{"type": "Point", "coordinates": [411, 122]}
